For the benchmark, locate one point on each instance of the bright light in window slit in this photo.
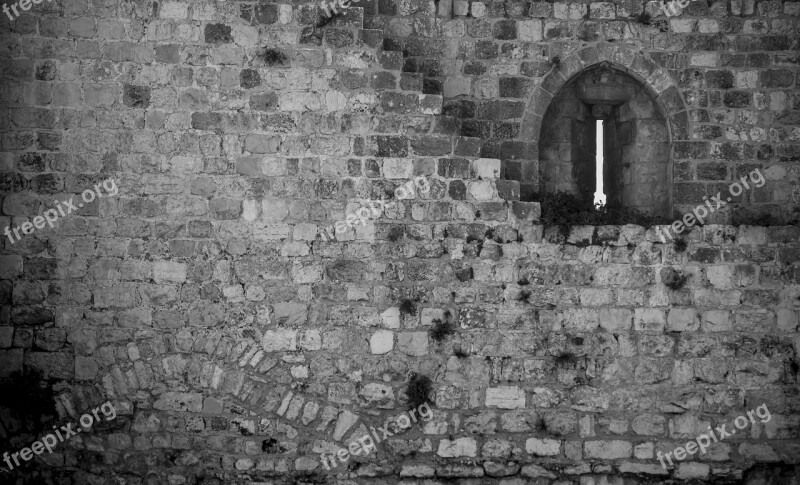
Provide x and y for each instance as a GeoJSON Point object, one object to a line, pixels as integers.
{"type": "Point", "coordinates": [599, 196]}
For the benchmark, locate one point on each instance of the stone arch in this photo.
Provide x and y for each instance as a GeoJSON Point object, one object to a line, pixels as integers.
{"type": "Point", "coordinates": [661, 86]}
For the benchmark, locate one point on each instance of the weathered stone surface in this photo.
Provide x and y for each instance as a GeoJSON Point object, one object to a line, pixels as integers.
{"type": "Point", "coordinates": [542, 447]}
{"type": "Point", "coordinates": [457, 447]}
{"type": "Point", "coordinates": [179, 401]}
{"type": "Point", "coordinates": [381, 342]}
{"type": "Point", "coordinates": [505, 397]}
{"type": "Point", "coordinates": [227, 297]}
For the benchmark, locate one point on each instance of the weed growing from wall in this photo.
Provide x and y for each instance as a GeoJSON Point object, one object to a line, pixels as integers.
{"type": "Point", "coordinates": [323, 21]}
{"type": "Point", "coordinates": [419, 390]}
{"type": "Point", "coordinates": [442, 329]}
{"type": "Point", "coordinates": [643, 18]}
{"type": "Point", "coordinates": [566, 358]}
{"type": "Point", "coordinates": [395, 233]}
{"type": "Point", "coordinates": [672, 279]}
{"type": "Point", "coordinates": [272, 56]}
{"type": "Point", "coordinates": [407, 307]}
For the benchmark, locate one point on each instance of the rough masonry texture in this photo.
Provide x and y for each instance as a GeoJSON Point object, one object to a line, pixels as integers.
{"type": "Point", "coordinates": [237, 344]}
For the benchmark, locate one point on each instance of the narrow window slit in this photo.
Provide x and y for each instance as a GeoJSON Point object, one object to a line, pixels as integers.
{"type": "Point", "coordinates": [599, 196]}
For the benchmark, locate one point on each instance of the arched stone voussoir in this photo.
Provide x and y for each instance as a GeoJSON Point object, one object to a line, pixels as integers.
{"type": "Point", "coordinates": [672, 100]}
{"type": "Point", "coordinates": [570, 66]}
{"type": "Point", "coordinates": [588, 56]}
{"type": "Point", "coordinates": [624, 56]}
{"type": "Point", "coordinates": [678, 124]}
{"type": "Point", "coordinates": [552, 82]}
{"type": "Point", "coordinates": [660, 80]}
{"type": "Point", "coordinates": [531, 126]}
{"type": "Point", "coordinates": [537, 106]}
{"type": "Point", "coordinates": [642, 67]}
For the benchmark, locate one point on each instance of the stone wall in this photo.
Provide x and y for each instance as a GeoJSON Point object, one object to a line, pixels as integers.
{"type": "Point", "coordinates": [238, 340]}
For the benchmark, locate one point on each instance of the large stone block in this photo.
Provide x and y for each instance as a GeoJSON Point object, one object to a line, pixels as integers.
{"type": "Point", "coordinates": [608, 450]}
{"type": "Point", "coordinates": [505, 397]}
{"type": "Point", "coordinates": [179, 401]}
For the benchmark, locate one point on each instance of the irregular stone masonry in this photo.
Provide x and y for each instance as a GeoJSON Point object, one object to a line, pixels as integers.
{"type": "Point", "coordinates": [236, 344]}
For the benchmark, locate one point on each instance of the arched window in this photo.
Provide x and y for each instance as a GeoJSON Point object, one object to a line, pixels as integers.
{"type": "Point", "coordinates": [635, 141]}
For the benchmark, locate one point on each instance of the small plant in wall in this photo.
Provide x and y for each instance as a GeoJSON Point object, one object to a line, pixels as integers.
{"type": "Point", "coordinates": [680, 245]}
{"type": "Point", "coordinates": [272, 56]}
{"type": "Point", "coordinates": [643, 18]}
{"type": "Point", "coordinates": [564, 358]}
{"type": "Point", "coordinates": [330, 14]}
{"type": "Point", "coordinates": [407, 307]}
{"type": "Point", "coordinates": [541, 424]}
{"type": "Point", "coordinates": [395, 233]}
{"type": "Point", "coordinates": [673, 279]}
{"type": "Point", "coordinates": [419, 390]}
{"type": "Point", "coordinates": [441, 329]}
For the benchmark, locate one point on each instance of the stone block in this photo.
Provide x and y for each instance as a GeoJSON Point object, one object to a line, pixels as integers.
{"type": "Point", "coordinates": [682, 320]}
{"type": "Point", "coordinates": [615, 319]}
{"type": "Point", "coordinates": [505, 397]}
{"type": "Point", "coordinates": [417, 470]}
{"type": "Point", "coordinates": [458, 447]}
{"type": "Point", "coordinates": [481, 190]}
{"type": "Point", "coordinates": [86, 368]}
{"type": "Point", "coordinates": [179, 401]}
{"type": "Point", "coordinates": [692, 471]}
{"type": "Point", "coordinates": [602, 10]}
{"type": "Point", "coordinates": [716, 321]}
{"type": "Point", "coordinates": [381, 342]}
{"type": "Point", "coordinates": [282, 340]}
{"type": "Point", "coordinates": [344, 422]}
{"type": "Point", "coordinates": [608, 449]}
{"type": "Point", "coordinates": [219, 33]}
{"type": "Point", "coordinates": [540, 9]}
{"type": "Point", "coordinates": [414, 344]}
{"type": "Point", "coordinates": [642, 468]}
{"type": "Point", "coordinates": [478, 9]}
{"type": "Point", "coordinates": [543, 446]}
{"type": "Point", "coordinates": [649, 320]}
{"type": "Point", "coordinates": [687, 426]}
{"type": "Point", "coordinates": [169, 272]}
{"type": "Point", "coordinates": [398, 168]}
{"type": "Point", "coordinates": [457, 86]}
{"type": "Point", "coordinates": [486, 168]}
{"type": "Point", "coordinates": [10, 267]}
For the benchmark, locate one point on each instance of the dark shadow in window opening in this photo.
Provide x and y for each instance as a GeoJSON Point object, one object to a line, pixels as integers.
{"type": "Point", "coordinates": [636, 142]}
